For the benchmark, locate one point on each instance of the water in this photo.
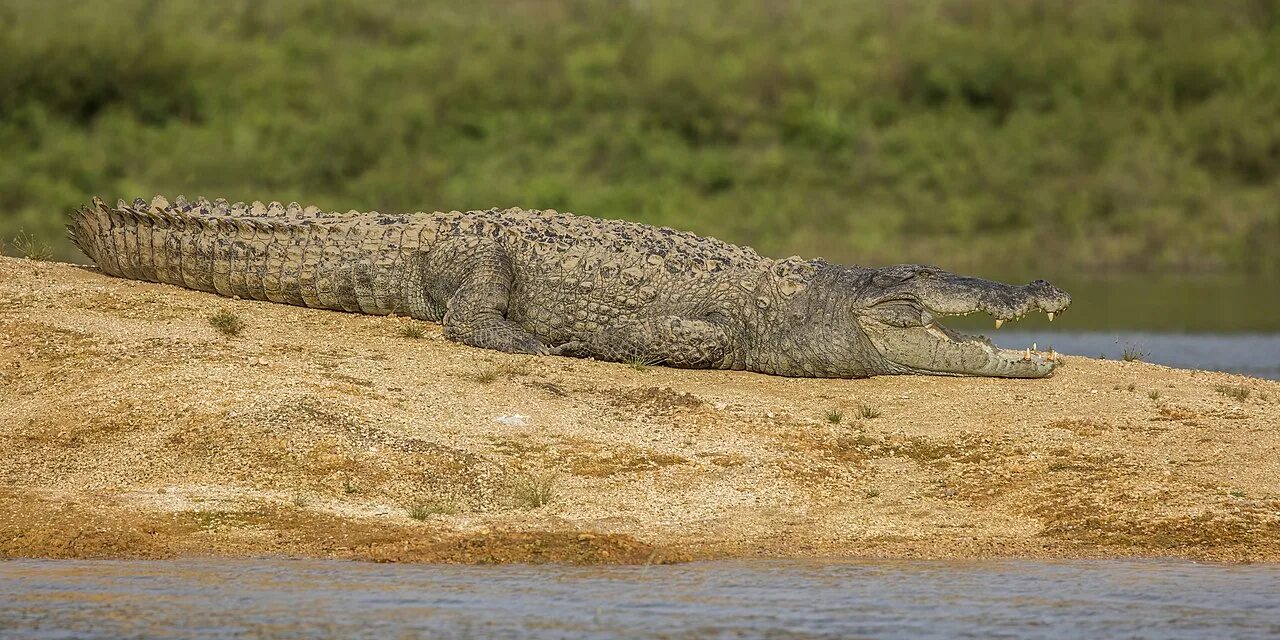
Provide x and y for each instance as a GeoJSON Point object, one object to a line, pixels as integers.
{"type": "Point", "coordinates": [1252, 354]}
{"type": "Point", "coordinates": [49, 599]}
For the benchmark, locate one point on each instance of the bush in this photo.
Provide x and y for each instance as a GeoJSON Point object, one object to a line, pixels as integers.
{"type": "Point", "coordinates": [1139, 135]}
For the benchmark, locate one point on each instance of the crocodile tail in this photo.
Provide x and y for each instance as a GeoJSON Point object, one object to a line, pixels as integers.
{"type": "Point", "coordinates": [288, 254]}
{"type": "Point", "coordinates": [175, 243]}
{"type": "Point", "coordinates": [91, 230]}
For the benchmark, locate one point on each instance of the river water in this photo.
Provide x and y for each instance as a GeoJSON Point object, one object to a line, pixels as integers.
{"type": "Point", "coordinates": [727, 599]}
{"type": "Point", "coordinates": [1251, 354]}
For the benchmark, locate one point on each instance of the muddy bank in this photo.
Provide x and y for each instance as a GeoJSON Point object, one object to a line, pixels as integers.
{"type": "Point", "coordinates": [131, 426]}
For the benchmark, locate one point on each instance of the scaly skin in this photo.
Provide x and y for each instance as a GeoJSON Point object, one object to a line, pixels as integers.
{"type": "Point", "coordinates": [543, 282]}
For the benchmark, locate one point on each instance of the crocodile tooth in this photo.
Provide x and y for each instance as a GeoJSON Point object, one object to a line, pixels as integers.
{"type": "Point", "coordinates": [934, 329]}
{"type": "Point", "coordinates": [999, 322]}
{"type": "Point", "coordinates": [1050, 316]}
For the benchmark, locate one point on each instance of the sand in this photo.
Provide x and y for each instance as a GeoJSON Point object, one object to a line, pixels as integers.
{"type": "Point", "coordinates": [131, 427]}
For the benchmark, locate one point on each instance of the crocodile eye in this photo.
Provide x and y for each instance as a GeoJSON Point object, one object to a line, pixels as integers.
{"type": "Point", "coordinates": [924, 274]}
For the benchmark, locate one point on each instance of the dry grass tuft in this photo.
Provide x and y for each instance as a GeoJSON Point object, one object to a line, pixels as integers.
{"type": "Point", "coordinates": [533, 490]}
{"type": "Point", "coordinates": [27, 246]}
{"type": "Point", "coordinates": [425, 510]}
{"type": "Point", "coordinates": [1133, 354]}
{"type": "Point", "coordinates": [412, 330]}
{"type": "Point", "coordinates": [1234, 391]}
{"type": "Point", "coordinates": [227, 322]}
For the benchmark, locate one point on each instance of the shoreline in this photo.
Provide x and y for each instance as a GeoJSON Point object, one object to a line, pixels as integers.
{"type": "Point", "coordinates": [130, 427]}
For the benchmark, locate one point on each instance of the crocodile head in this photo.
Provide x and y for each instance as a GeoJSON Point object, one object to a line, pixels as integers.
{"type": "Point", "coordinates": [898, 307]}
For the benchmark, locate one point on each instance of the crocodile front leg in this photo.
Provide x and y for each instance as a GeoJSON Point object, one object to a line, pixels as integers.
{"type": "Point", "coordinates": [477, 312]}
{"type": "Point", "coordinates": [669, 340]}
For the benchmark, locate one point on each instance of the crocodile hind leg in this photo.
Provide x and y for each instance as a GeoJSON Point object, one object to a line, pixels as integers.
{"type": "Point", "coordinates": [669, 340]}
{"type": "Point", "coordinates": [477, 311]}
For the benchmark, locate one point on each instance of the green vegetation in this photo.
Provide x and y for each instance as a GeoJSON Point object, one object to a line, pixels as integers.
{"type": "Point", "coordinates": [996, 136]}
{"type": "Point", "coordinates": [834, 416]}
{"type": "Point", "coordinates": [868, 412]}
{"type": "Point", "coordinates": [1154, 394]}
{"type": "Point", "coordinates": [227, 322]}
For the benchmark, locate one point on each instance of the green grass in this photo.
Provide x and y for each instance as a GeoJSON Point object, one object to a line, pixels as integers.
{"type": "Point", "coordinates": [227, 323]}
{"type": "Point", "coordinates": [1109, 136]}
{"type": "Point", "coordinates": [835, 416]}
{"type": "Point", "coordinates": [867, 412]}
{"type": "Point", "coordinates": [1154, 394]}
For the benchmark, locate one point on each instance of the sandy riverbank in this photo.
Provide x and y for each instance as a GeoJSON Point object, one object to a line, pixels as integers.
{"type": "Point", "coordinates": [130, 427]}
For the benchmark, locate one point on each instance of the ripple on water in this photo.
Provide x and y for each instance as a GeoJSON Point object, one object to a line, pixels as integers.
{"type": "Point", "coordinates": [779, 599]}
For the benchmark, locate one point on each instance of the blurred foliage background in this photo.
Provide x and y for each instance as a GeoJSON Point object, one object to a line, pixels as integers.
{"type": "Point", "coordinates": [998, 136]}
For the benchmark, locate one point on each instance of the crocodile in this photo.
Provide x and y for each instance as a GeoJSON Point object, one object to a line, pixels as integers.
{"type": "Point", "coordinates": [552, 283]}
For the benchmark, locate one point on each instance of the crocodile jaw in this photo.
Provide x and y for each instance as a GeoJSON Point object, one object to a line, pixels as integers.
{"type": "Point", "coordinates": [934, 349]}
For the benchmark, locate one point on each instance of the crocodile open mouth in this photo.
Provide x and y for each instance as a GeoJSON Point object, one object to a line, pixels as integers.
{"type": "Point", "coordinates": [905, 329]}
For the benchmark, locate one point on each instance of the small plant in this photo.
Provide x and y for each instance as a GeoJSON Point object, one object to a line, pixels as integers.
{"type": "Point", "coordinates": [412, 330]}
{"type": "Point", "coordinates": [227, 322]}
{"type": "Point", "coordinates": [1132, 353]}
{"type": "Point", "coordinates": [531, 491]}
{"type": "Point", "coordinates": [835, 416]}
{"type": "Point", "coordinates": [486, 376]}
{"type": "Point", "coordinates": [424, 510]}
{"type": "Point", "coordinates": [642, 363]}
{"type": "Point", "coordinates": [349, 488]}
{"type": "Point", "coordinates": [1154, 394]}
{"type": "Point", "coordinates": [1236, 392]}
{"type": "Point", "coordinates": [299, 500]}
{"type": "Point", "coordinates": [871, 493]}
{"type": "Point", "coordinates": [27, 246]}
{"type": "Point", "coordinates": [868, 412]}
{"type": "Point", "coordinates": [1237, 494]}
{"type": "Point", "coordinates": [1132, 387]}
